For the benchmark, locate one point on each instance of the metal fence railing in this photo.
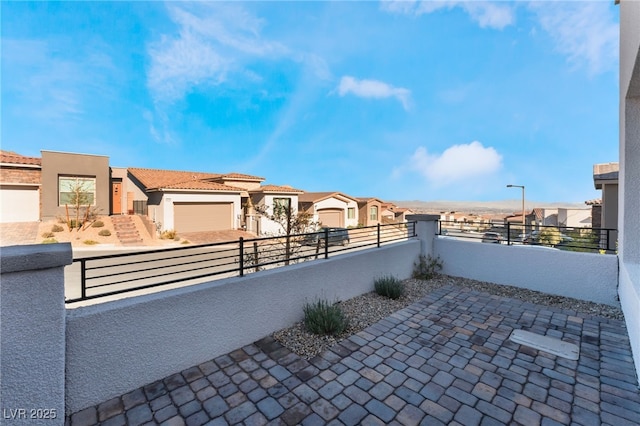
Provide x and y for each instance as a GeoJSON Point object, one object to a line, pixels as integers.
{"type": "Point", "coordinates": [101, 276]}
{"type": "Point", "coordinates": [598, 240]}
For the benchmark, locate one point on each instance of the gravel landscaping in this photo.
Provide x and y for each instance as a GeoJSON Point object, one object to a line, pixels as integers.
{"type": "Point", "coordinates": [369, 308]}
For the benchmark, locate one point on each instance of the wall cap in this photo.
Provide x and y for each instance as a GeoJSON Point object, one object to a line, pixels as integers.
{"type": "Point", "coordinates": [34, 256]}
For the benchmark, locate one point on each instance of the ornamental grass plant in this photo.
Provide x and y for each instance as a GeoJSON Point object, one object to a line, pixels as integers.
{"type": "Point", "coordinates": [322, 317]}
{"type": "Point", "coordinates": [389, 286]}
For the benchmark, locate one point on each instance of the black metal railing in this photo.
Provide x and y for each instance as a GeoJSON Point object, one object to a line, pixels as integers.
{"type": "Point", "coordinates": [595, 240]}
{"type": "Point", "coordinates": [101, 276]}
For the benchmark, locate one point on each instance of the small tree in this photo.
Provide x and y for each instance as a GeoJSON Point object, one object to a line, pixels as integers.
{"type": "Point", "coordinates": [79, 198]}
{"type": "Point", "coordinates": [550, 236]}
{"type": "Point", "coordinates": [291, 223]}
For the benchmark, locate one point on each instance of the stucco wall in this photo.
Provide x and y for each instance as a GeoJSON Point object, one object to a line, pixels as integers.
{"type": "Point", "coordinates": [118, 346]}
{"type": "Point", "coordinates": [55, 164]}
{"type": "Point", "coordinates": [629, 176]}
{"type": "Point", "coordinates": [585, 276]}
{"type": "Point", "coordinates": [267, 226]}
{"type": "Point", "coordinates": [32, 329]}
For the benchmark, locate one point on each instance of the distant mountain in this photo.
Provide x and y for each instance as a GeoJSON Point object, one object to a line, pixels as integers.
{"type": "Point", "coordinates": [483, 207]}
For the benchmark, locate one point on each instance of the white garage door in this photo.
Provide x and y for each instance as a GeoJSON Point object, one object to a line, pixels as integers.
{"type": "Point", "coordinates": [197, 217]}
{"type": "Point", "coordinates": [19, 204]}
{"type": "Point", "coordinates": [331, 217]}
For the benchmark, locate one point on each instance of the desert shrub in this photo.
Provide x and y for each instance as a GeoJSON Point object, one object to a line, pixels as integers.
{"type": "Point", "coordinates": [185, 242]}
{"type": "Point", "coordinates": [104, 233]}
{"type": "Point", "coordinates": [389, 286]}
{"type": "Point", "coordinates": [90, 242]}
{"type": "Point", "coordinates": [47, 235]}
{"type": "Point", "coordinates": [97, 224]}
{"type": "Point", "coordinates": [49, 241]}
{"type": "Point", "coordinates": [169, 235]}
{"type": "Point", "coordinates": [57, 228]}
{"type": "Point", "coordinates": [426, 267]}
{"type": "Point", "coordinates": [321, 317]}
{"type": "Point", "coordinates": [550, 236]}
{"type": "Point", "coordinates": [74, 224]}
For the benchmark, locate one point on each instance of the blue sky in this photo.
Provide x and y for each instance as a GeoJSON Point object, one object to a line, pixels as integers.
{"type": "Point", "coordinates": [398, 100]}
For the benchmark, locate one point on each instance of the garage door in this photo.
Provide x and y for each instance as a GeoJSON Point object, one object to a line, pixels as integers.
{"type": "Point", "coordinates": [19, 204]}
{"type": "Point", "coordinates": [331, 217]}
{"type": "Point", "coordinates": [197, 217]}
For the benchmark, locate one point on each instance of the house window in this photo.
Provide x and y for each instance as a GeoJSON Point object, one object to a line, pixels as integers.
{"type": "Point", "coordinates": [373, 213]}
{"type": "Point", "coordinates": [74, 190]}
{"type": "Point", "coordinates": [281, 205]}
{"type": "Point", "coordinates": [351, 213]}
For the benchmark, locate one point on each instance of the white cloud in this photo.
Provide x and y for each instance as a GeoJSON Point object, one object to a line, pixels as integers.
{"type": "Point", "coordinates": [213, 41]}
{"type": "Point", "coordinates": [373, 89]}
{"type": "Point", "coordinates": [456, 163]}
{"type": "Point", "coordinates": [584, 31]}
{"type": "Point", "coordinates": [487, 14]}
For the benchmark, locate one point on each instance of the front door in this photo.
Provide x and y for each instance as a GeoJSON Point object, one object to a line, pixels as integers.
{"type": "Point", "coordinates": [116, 198]}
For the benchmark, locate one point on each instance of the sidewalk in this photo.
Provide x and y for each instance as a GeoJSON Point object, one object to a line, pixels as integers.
{"type": "Point", "coordinates": [445, 360]}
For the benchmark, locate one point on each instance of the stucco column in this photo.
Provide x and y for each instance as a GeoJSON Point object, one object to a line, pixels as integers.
{"type": "Point", "coordinates": [426, 229]}
{"type": "Point", "coordinates": [32, 334]}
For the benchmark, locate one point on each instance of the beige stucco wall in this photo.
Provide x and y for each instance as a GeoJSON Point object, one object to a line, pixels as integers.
{"type": "Point", "coordinates": [55, 164]}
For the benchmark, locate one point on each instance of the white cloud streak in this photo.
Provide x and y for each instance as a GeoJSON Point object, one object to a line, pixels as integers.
{"type": "Point", "coordinates": [586, 32]}
{"type": "Point", "coordinates": [495, 15]}
{"type": "Point", "coordinates": [373, 89]}
{"type": "Point", "coordinates": [457, 163]}
{"type": "Point", "coordinates": [213, 41]}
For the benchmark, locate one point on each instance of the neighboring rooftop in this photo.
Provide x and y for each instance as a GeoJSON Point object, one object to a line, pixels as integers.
{"type": "Point", "coordinates": [604, 173]}
{"type": "Point", "coordinates": [10, 157]}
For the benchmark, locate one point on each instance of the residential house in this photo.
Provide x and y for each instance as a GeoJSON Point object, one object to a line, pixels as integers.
{"type": "Point", "coordinates": [264, 200]}
{"type": "Point", "coordinates": [401, 214]}
{"type": "Point", "coordinates": [369, 210]}
{"type": "Point", "coordinates": [542, 217]}
{"type": "Point", "coordinates": [20, 181]}
{"type": "Point", "coordinates": [332, 209]}
{"type": "Point", "coordinates": [186, 201]}
{"type": "Point", "coordinates": [605, 178]}
{"type": "Point", "coordinates": [394, 214]}
{"type": "Point", "coordinates": [574, 218]}
{"type": "Point", "coordinates": [64, 173]}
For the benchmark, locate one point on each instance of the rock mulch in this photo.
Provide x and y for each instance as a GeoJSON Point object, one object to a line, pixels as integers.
{"type": "Point", "coordinates": [369, 308]}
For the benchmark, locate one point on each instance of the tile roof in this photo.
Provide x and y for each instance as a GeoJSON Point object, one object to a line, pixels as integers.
{"type": "Point", "coordinates": [172, 179]}
{"type": "Point", "coordinates": [240, 176]}
{"type": "Point", "coordinates": [310, 197]}
{"type": "Point", "coordinates": [8, 157]}
{"type": "Point", "coordinates": [284, 189]}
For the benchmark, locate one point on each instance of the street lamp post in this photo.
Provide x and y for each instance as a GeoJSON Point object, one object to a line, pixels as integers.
{"type": "Point", "coordinates": [522, 187]}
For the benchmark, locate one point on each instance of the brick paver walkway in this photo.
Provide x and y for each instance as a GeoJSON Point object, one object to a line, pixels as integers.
{"type": "Point", "coordinates": [444, 360]}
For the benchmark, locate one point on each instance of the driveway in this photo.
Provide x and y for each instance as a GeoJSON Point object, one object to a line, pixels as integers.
{"type": "Point", "coordinates": [18, 233]}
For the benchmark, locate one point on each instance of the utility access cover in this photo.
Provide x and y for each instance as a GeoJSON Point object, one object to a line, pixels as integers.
{"type": "Point", "coordinates": [545, 343]}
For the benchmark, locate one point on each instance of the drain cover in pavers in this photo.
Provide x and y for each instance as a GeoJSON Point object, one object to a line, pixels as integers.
{"type": "Point", "coordinates": [545, 343]}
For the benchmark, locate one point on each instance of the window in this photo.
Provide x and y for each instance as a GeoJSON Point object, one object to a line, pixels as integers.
{"type": "Point", "coordinates": [281, 205]}
{"type": "Point", "coordinates": [351, 213]}
{"type": "Point", "coordinates": [373, 213]}
{"type": "Point", "coordinates": [73, 190]}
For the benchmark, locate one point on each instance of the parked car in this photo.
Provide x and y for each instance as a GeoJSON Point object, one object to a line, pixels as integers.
{"type": "Point", "coordinates": [492, 237]}
{"type": "Point", "coordinates": [337, 237]}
